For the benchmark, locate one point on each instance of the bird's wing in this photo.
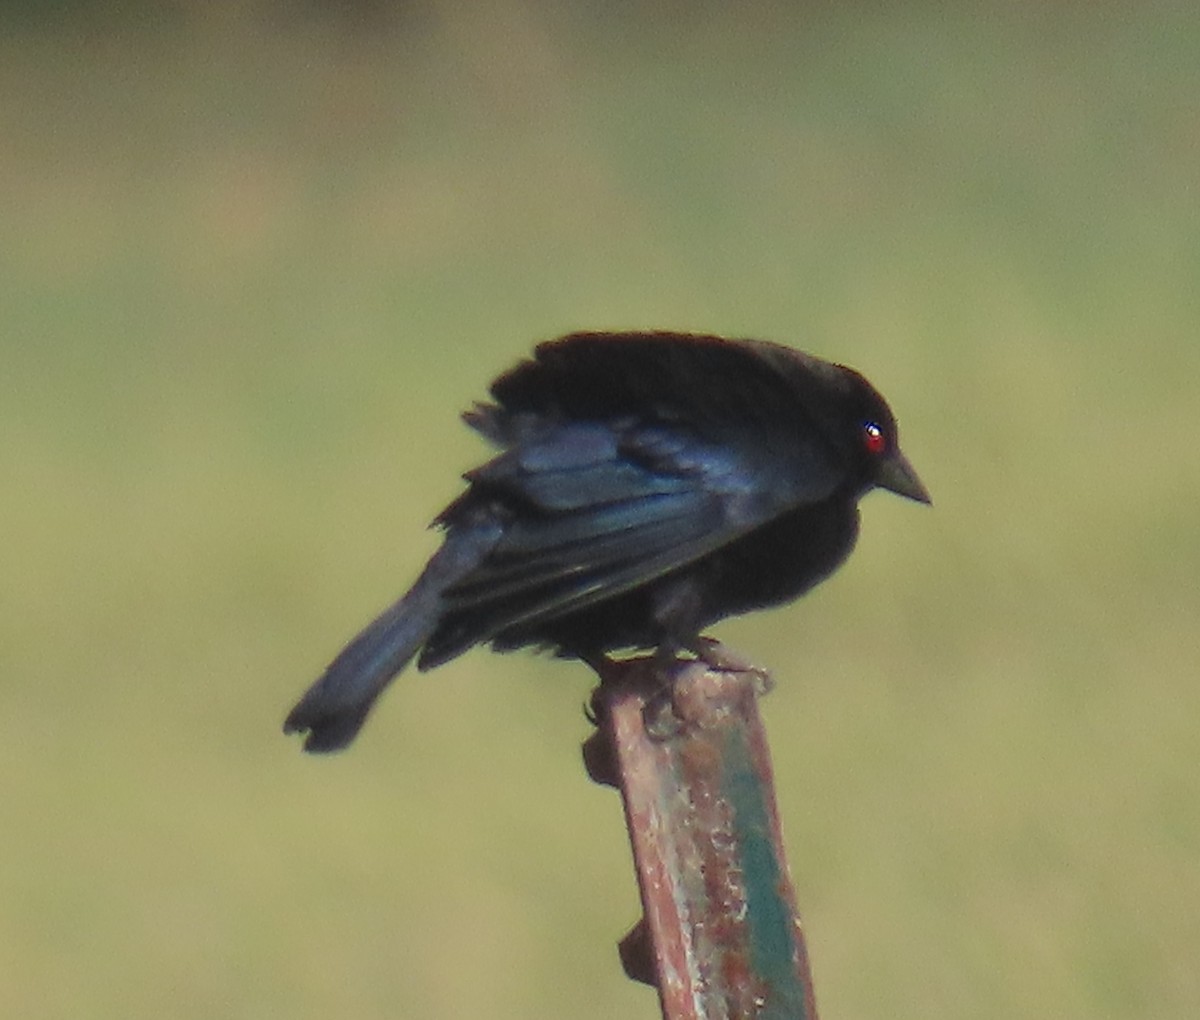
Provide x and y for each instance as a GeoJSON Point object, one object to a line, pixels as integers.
{"type": "Point", "coordinates": [597, 510]}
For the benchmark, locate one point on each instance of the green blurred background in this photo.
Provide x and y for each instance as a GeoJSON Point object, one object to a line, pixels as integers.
{"type": "Point", "coordinates": [255, 257]}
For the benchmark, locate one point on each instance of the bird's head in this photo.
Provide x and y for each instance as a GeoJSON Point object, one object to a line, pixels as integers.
{"type": "Point", "coordinates": [868, 433]}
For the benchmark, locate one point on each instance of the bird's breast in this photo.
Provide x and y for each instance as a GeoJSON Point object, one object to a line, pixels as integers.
{"type": "Point", "coordinates": [781, 560]}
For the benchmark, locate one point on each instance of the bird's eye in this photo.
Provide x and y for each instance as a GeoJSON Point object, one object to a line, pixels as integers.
{"type": "Point", "coordinates": [873, 438]}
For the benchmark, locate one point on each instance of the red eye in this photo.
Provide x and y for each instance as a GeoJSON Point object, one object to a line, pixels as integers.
{"type": "Point", "coordinates": [873, 438]}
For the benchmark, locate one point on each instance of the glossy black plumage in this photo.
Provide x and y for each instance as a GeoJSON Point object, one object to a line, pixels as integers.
{"type": "Point", "coordinates": [648, 485]}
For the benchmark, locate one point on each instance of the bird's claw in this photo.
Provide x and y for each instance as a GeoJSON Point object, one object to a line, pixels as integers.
{"type": "Point", "coordinates": [721, 657]}
{"type": "Point", "coordinates": [659, 716]}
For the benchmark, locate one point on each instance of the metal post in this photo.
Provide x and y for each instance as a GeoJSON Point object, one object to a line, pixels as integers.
{"type": "Point", "coordinates": [720, 936]}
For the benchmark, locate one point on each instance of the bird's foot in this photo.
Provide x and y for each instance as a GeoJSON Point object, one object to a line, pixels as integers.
{"type": "Point", "coordinates": [721, 657]}
{"type": "Point", "coordinates": [661, 720]}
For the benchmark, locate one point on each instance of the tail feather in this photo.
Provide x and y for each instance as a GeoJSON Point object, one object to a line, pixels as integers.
{"type": "Point", "coordinates": [334, 708]}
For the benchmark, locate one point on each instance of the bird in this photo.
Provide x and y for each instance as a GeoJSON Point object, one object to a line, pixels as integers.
{"type": "Point", "coordinates": [645, 486]}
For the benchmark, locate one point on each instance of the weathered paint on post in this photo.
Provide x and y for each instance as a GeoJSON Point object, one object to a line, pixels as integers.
{"type": "Point", "coordinates": [720, 937]}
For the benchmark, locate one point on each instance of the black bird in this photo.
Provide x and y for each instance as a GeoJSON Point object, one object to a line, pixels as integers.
{"type": "Point", "coordinates": [648, 485]}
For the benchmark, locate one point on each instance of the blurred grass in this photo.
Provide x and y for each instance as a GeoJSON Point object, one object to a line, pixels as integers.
{"type": "Point", "coordinates": [255, 258]}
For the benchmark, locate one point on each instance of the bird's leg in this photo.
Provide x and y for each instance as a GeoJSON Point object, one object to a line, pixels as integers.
{"type": "Point", "coordinates": [721, 657]}
{"type": "Point", "coordinates": [657, 698]}
{"type": "Point", "coordinates": [658, 711]}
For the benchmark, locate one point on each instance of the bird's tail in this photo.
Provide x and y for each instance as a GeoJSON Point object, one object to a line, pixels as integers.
{"type": "Point", "coordinates": [334, 708]}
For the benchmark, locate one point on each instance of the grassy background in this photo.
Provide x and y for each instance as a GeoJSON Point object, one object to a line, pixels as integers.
{"type": "Point", "coordinates": [253, 260]}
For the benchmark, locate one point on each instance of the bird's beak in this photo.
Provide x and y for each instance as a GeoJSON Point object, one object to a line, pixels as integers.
{"type": "Point", "coordinates": [897, 475]}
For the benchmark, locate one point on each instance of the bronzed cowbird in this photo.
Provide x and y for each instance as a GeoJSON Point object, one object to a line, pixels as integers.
{"type": "Point", "coordinates": [647, 485]}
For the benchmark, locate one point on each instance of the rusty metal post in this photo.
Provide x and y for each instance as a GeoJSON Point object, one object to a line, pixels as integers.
{"type": "Point", "coordinates": [720, 936]}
